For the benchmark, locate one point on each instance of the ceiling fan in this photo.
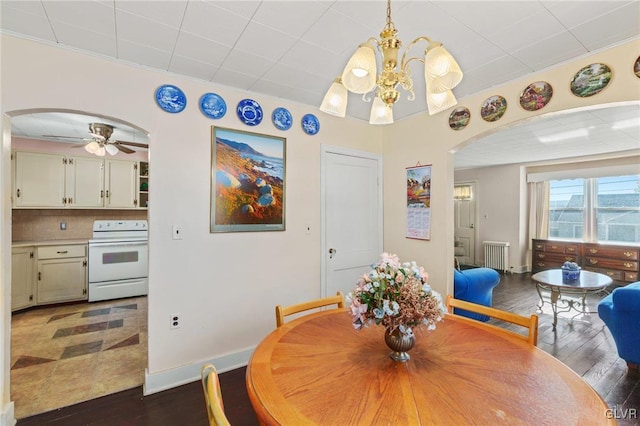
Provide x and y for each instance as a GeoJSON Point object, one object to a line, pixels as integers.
{"type": "Point", "coordinates": [99, 143]}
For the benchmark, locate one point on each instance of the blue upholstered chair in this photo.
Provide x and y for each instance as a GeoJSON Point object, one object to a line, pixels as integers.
{"type": "Point", "coordinates": [620, 311]}
{"type": "Point", "coordinates": [476, 286]}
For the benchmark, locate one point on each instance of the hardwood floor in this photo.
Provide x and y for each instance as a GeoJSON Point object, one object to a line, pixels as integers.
{"type": "Point", "coordinates": [584, 344]}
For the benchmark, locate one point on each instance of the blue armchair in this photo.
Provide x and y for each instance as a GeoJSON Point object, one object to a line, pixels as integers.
{"type": "Point", "coordinates": [476, 286]}
{"type": "Point", "coordinates": [620, 312]}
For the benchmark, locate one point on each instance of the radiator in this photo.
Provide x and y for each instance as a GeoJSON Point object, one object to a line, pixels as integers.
{"type": "Point", "coordinates": [496, 255]}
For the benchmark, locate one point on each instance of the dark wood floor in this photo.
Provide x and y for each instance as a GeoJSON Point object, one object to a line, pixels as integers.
{"type": "Point", "coordinates": [583, 343]}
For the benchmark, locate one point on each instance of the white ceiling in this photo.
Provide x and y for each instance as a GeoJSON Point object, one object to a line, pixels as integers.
{"type": "Point", "coordinates": [293, 49]}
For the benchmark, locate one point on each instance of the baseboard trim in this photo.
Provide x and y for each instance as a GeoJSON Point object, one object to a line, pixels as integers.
{"type": "Point", "coordinates": [163, 380]}
{"type": "Point", "coordinates": [8, 418]}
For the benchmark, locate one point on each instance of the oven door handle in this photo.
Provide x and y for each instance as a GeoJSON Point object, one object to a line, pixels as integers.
{"type": "Point", "coordinates": [119, 244]}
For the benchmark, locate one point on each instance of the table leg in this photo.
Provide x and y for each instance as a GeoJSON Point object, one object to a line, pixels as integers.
{"type": "Point", "coordinates": [554, 296]}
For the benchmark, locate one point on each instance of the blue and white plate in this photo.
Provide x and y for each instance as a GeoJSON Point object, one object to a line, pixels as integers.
{"type": "Point", "coordinates": [213, 106]}
{"type": "Point", "coordinates": [282, 119]}
{"type": "Point", "coordinates": [170, 98]}
{"type": "Point", "coordinates": [310, 124]}
{"type": "Point", "coordinates": [249, 112]}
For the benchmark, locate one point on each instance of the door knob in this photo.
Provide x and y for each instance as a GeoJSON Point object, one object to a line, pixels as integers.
{"type": "Point", "coordinates": [332, 251]}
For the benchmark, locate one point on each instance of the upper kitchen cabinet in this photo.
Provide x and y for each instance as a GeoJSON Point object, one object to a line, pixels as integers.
{"type": "Point", "coordinates": [84, 182]}
{"type": "Point", "coordinates": [121, 189]}
{"type": "Point", "coordinates": [39, 180]}
{"type": "Point", "coordinates": [55, 181]}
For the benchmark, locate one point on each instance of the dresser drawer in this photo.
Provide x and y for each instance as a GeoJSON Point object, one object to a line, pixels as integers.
{"type": "Point", "coordinates": [613, 274]}
{"type": "Point", "coordinates": [631, 276]}
{"type": "Point", "coordinates": [61, 252]}
{"type": "Point", "coordinates": [613, 252]}
{"type": "Point", "coordinates": [554, 257]}
{"type": "Point", "coordinates": [599, 262]}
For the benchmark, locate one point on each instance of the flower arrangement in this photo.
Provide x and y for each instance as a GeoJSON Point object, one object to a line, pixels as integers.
{"type": "Point", "coordinates": [395, 295]}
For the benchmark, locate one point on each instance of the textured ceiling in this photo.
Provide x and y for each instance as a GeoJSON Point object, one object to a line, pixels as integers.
{"type": "Point", "coordinates": [293, 49]}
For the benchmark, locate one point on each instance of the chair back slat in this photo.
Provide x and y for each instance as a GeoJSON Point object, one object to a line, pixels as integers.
{"type": "Point", "coordinates": [530, 323]}
{"type": "Point", "coordinates": [282, 311]}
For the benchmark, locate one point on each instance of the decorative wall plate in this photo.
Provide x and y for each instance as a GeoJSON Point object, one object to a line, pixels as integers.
{"type": "Point", "coordinates": [249, 112]}
{"type": "Point", "coordinates": [536, 96]}
{"type": "Point", "coordinates": [170, 98]}
{"type": "Point", "coordinates": [493, 108]}
{"type": "Point", "coordinates": [590, 80]}
{"type": "Point", "coordinates": [282, 119]}
{"type": "Point", "coordinates": [636, 67]}
{"type": "Point", "coordinates": [213, 106]}
{"type": "Point", "coordinates": [459, 118]}
{"type": "Point", "coordinates": [310, 124]}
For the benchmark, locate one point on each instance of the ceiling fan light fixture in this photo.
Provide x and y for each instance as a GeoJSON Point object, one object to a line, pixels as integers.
{"type": "Point", "coordinates": [111, 149]}
{"type": "Point", "coordinates": [100, 151]}
{"type": "Point", "coordinates": [92, 147]}
{"type": "Point", "coordinates": [335, 101]}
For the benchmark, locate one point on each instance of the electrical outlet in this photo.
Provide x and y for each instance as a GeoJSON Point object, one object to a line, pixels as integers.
{"type": "Point", "coordinates": [63, 226]}
{"type": "Point", "coordinates": [175, 321]}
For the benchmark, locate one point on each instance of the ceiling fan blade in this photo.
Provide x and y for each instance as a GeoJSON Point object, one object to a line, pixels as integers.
{"type": "Point", "coordinates": [61, 137]}
{"type": "Point", "coordinates": [122, 148]}
{"type": "Point", "coordinates": [136, 144]}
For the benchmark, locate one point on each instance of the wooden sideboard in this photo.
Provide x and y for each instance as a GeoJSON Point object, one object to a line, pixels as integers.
{"type": "Point", "coordinates": [618, 262]}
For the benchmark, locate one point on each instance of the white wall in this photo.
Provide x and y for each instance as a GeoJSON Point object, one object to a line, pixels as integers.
{"type": "Point", "coordinates": [226, 285]}
{"type": "Point", "coordinates": [498, 207]}
{"type": "Point", "coordinates": [429, 140]}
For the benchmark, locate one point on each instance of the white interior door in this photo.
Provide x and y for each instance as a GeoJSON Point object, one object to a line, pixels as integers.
{"type": "Point", "coordinates": [351, 216]}
{"type": "Point", "coordinates": [464, 231]}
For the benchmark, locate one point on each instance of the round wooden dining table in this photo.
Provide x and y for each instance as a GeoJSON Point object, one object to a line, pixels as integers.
{"type": "Point", "coordinates": [318, 370]}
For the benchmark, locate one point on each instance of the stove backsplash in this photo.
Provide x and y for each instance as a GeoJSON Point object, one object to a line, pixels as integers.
{"type": "Point", "coordinates": [44, 225]}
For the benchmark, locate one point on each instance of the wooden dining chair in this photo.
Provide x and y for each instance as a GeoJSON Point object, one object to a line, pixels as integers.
{"type": "Point", "coordinates": [213, 396]}
{"type": "Point", "coordinates": [530, 323]}
{"type": "Point", "coordinates": [282, 312]}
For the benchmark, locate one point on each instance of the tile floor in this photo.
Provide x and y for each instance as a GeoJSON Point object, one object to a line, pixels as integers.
{"type": "Point", "coordinates": [66, 354]}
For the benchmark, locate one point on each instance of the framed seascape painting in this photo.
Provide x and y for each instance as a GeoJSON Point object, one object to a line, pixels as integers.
{"type": "Point", "coordinates": [247, 181]}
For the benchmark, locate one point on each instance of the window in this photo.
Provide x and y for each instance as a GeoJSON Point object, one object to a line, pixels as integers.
{"type": "Point", "coordinates": [605, 209]}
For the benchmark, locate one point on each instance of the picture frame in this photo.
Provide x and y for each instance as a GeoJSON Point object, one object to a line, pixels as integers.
{"type": "Point", "coordinates": [591, 80]}
{"type": "Point", "coordinates": [248, 175]}
{"type": "Point", "coordinates": [493, 108]}
{"type": "Point", "coordinates": [459, 118]}
{"type": "Point", "coordinates": [536, 96]}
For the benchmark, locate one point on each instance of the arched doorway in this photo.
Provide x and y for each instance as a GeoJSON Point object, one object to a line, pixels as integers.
{"type": "Point", "coordinates": [67, 353]}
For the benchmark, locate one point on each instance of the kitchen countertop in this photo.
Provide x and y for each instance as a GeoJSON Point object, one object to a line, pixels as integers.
{"type": "Point", "coordinates": [48, 242]}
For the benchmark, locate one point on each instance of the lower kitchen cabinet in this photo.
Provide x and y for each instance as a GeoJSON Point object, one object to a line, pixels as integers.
{"type": "Point", "coordinates": [61, 273]}
{"type": "Point", "coordinates": [22, 272]}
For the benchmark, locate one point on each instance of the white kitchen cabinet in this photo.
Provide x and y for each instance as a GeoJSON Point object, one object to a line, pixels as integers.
{"type": "Point", "coordinates": [22, 273]}
{"type": "Point", "coordinates": [56, 181]}
{"type": "Point", "coordinates": [85, 182]}
{"type": "Point", "coordinates": [121, 184]}
{"type": "Point", "coordinates": [40, 180]}
{"type": "Point", "coordinates": [61, 273]}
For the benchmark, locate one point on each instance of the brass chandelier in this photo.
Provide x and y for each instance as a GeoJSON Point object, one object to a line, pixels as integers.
{"type": "Point", "coordinates": [442, 73]}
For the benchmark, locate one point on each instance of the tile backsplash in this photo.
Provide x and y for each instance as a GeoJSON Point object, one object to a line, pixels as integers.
{"type": "Point", "coordinates": [44, 224]}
